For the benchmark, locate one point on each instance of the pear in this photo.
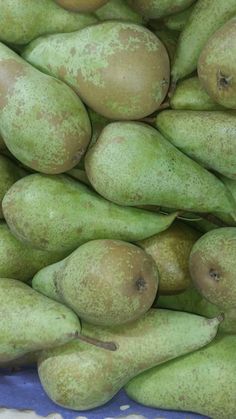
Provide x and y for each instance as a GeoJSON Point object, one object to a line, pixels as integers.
{"type": "Point", "coordinates": [169, 39]}
{"type": "Point", "coordinates": [212, 266]}
{"type": "Point", "coordinates": [42, 121]}
{"type": "Point", "coordinates": [19, 261]}
{"type": "Point", "coordinates": [202, 382]}
{"type": "Point", "coordinates": [31, 321]}
{"type": "Point", "coordinates": [9, 174]}
{"type": "Point", "coordinates": [119, 10]}
{"type": "Point", "coordinates": [199, 135]}
{"type": "Point", "coordinates": [2, 144]}
{"type": "Point", "coordinates": [22, 21]}
{"type": "Point", "coordinates": [217, 65]}
{"type": "Point", "coordinates": [82, 377]}
{"type": "Point", "coordinates": [78, 215]}
{"type": "Point", "coordinates": [107, 294]}
{"type": "Point", "coordinates": [178, 21]}
{"type": "Point", "coordinates": [156, 9]}
{"type": "Point", "coordinates": [206, 17]}
{"type": "Point", "coordinates": [132, 164]}
{"type": "Point", "coordinates": [170, 250]}
{"type": "Point", "coordinates": [81, 5]}
{"type": "Point", "coordinates": [99, 63]}
{"type": "Point", "coordinates": [190, 95]}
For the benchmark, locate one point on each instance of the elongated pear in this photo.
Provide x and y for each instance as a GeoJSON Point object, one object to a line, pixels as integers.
{"type": "Point", "coordinates": [217, 65]}
{"type": "Point", "coordinates": [81, 5]}
{"type": "Point", "coordinates": [190, 95]}
{"type": "Point", "coordinates": [132, 164]}
{"type": "Point", "coordinates": [82, 377]}
{"type": "Point", "coordinates": [9, 174]}
{"type": "Point", "coordinates": [119, 10]}
{"type": "Point", "coordinates": [78, 215]}
{"type": "Point", "coordinates": [206, 17]}
{"type": "Point", "coordinates": [22, 21]}
{"type": "Point", "coordinates": [206, 136]}
{"type": "Point", "coordinates": [203, 382]}
{"type": "Point", "coordinates": [42, 121]}
{"type": "Point", "coordinates": [19, 261]}
{"type": "Point", "coordinates": [156, 9]}
{"type": "Point", "coordinates": [31, 321]}
{"type": "Point", "coordinates": [178, 21]}
{"type": "Point", "coordinates": [99, 63]}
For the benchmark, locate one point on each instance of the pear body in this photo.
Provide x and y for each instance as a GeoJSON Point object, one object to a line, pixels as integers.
{"type": "Point", "coordinates": [119, 10]}
{"type": "Point", "coordinates": [31, 321]}
{"type": "Point", "coordinates": [43, 122]}
{"type": "Point", "coordinates": [78, 215]}
{"type": "Point", "coordinates": [217, 65]}
{"type": "Point", "coordinates": [104, 79]}
{"type": "Point", "coordinates": [9, 174]}
{"type": "Point", "coordinates": [132, 164]}
{"type": "Point", "coordinates": [81, 5]}
{"type": "Point", "coordinates": [22, 21]}
{"type": "Point", "coordinates": [156, 9]}
{"type": "Point", "coordinates": [203, 382]}
{"type": "Point", "coordinates": [80, 376]}
{"type": "Point", "coordinates": [178, 21]}
{"type": "Point", "coordinates": [170, 250]}
{"type": "Point", "coordinates": [206, 136]}
{"type": "Point", "coordinates": [169, 39]}
{"type": "Point", "coordinates": [206, 17]}
{"type": "Point", "coordinates": [190, 95]}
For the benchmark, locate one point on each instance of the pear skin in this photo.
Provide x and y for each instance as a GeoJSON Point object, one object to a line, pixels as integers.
{"type": "Point", "coordinates": [157, 9]}
{"type": "Point", "coordinates": [82, 377]}
{"type": "Point", "coordinates": [81, 5]}
{"type": "Point", "coordinates": [9, 174]}
{"type": "Point", "coordinates": [169, 39]}
{"type": "Point", "coordinates": [178, 21]}
{"type": "Point", "coordinates": [119, 10]}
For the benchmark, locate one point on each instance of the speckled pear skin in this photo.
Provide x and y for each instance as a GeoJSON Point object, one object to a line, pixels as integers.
{"type": "Point", "coordinates": [78, 214]}
{"type": "Point", "coordinates": [203, 382]}
{"type": "Point", "coordinates": [119, 10]}
{"type": "Point", "coordinates": [212, 266]}
{"type": "Point", "coordinates": [43, 122]}
{"type": "Point", "coordinates": [19, 261]}
{"type": "Point", "coordinates": [169, 39]}
{"type": "Point", "coordinates": [9, 174]}
{"type": "Point", "coordinates": [106, 282]}
{"type": "Point", "coordinates": [119, 69]}
{"type": "Point", "coordinates": [31, 322]}
{"type": "Point", "coordinates": [170, 250]}
{"type": "Point", "coordinates": [133, 164]}
{"type": "Point", "coordinates": [81, 5]}
{"type": "Point", "coordinates": [80, 376]}
{"type": "Point", "coordinates": [217, 65]}
{"type": "Point", "coordinates": [178, 21]}
{"type": "Point", "coordinates": [190, 95]}
{"type": "Point", "coordinates": [156, 9]}
{"type": "Point", "coordinates": [208, 137]}
{"type": "Point", "coordinates": [22, 21]}
{"type": "Point", "coordinates": [206, 17]}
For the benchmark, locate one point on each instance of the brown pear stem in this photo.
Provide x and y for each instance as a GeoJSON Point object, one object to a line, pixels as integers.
{"type": "Point", "coordinates": [109, 346]}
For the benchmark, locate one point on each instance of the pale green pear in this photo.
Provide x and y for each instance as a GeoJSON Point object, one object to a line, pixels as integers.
{"type": "Point", "coordinates": [217, 65]}
{"type": "Point", "coordinates": [178, 21]}
{"type": "Point", "coordinates": [57, 213]}
{"type": "Point", "coordinates": [82, 377]}
{"type": "Point", "coordinates": [30, 321]}
{"type": "Point", "coordinates": [20, 261]}
{"type": "Point", "coordinates": [156, 9]}
{"type": "Point", "coordinates": [133, 164]}
{"type": "Point", "coordinates": [190, 95]}
{"type": "Point", "coordinates": [119, 10]}
{"type": "Point", "coordinates": [9, 174]}
{"type": "Point", "coordinates": [42, 121]}
{"type": "Point", "coordinates": [99, 63]}
{"type": "Point", "coordinates": [203, 382]}
{"type": "Point", "coordinates": [81, 5]}
{"type": "Point", "coordinates": [206, 17]}
{"type": "Point", "coordinates": [206, 136]}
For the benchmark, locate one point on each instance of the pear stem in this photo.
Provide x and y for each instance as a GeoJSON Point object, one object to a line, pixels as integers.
{"type": "Point", "coordinates": [215, 220]}
{"type": "Point", "coordinates": [109, 346]}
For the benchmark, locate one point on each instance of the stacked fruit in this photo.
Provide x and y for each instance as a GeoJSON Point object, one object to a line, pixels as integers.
{"type": "Point", "coordinates": [118, 232]}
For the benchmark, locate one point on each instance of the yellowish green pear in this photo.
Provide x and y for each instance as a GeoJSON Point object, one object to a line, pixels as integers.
{"type": "Point", "coordinates": [178, 21]}
{"type": "Point", "coordinates": [119, 10]}
{"type": "Point", "coordinates": [81, 5]}
{"type": "Point", "coordinates": [156, 9]}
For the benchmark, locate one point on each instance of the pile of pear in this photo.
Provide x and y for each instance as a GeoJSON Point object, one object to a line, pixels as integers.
{"type": "Point", "coordinates": [118, 200]}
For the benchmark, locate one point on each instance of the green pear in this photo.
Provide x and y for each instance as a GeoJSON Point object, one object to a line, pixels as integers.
{"type": "Point", "coordinates": [132, 164]}
{"type": "Point", "coordinates": [212, 266]}
{"type": "Point", "coordinates": [106, 282]}
{"type": "Point", "coordinates": [81, 5]}
{"type": "Point", "coordinates": [42, 121]}
{"type": "Point", "coordinates": [119, 10]}
{"type": "Point", "coordinates": [19, 261]}
{"type": "Point", "coordinates": [22, 21]}
{"type": "Point", "coordinates": [78, 215]}
{"type": "Point", "coordinates": [190, 95]}
{"type": "Point", "coordinates": [203, 382]}
{"type": "Point", "coordinates": [156, 9]}
{"type": "Point", "coordinates": [169, 39]}
{"type": "Point", "coordinates": [178, 21]}
{"type": "Point", "coordinates": [2, 144]}
{"type": "Point", "coordinates": [31, 321]}
{"type": "Point", "coordinates": [217, 65]}
{"type": "Point", "coordinates": [170, 250]}
{"type": "Point", "coordinates": [206, 17]}
{"type": "Point", "coordinates": [99, 63]}
{"type": "Point", "coordinates": [79, 174]}
{"type": "Point", "coordinates": [206, 136]}
{"type": "Point", "coordinates": [9, 174]}
{"type": "Point", "coordinates": [82, 377]}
